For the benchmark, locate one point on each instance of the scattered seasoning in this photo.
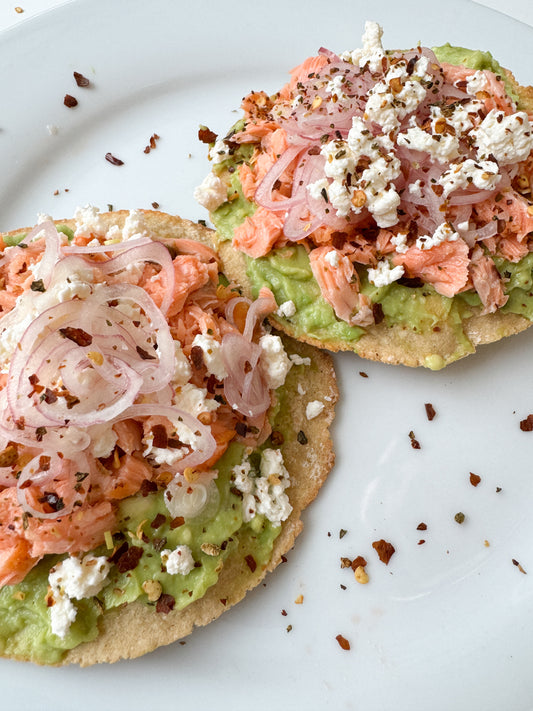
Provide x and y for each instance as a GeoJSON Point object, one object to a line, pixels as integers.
{"type": "Point", "coordinates": [342, 532]}
{"type": "Point", "coordinates": [152, 144]}
{"type": "Point", "coordinates": [284, 613]}
{"type": "Point", "coordinates": [8, 456]}
{"type": "Point", "coordinates": [148, 487]}
{"type": "Point", "coordinates": [363, 374]}
{"type": "Point", "coordinates": [346, 563]}
{"type": "Point", "coordinates": [277, 438]}
{"type": "Point", "coordinates": [430, 411]}
{"type": "Point", "coordinates": [129, 559]}
{"type": "Point", "coordinates": [486, 544]}
{"type": "Point", "coordinates": [415, 444]}
{"type": "Point", "coordinates": [289, 628]}
{"type": "Point", "coordinates": [19, 10]}
{"type": "Point", "coordinates": [422, 527]}
{"type": "Point", "coordinates": [144, 354]}
{"type": "Point", "coordinates": [460, 517]}
{"type": "Point", "coordinates": [224, 601]}
{"type": "Point", "coordinates": [70, 101]}
{"type": "Point", "coordinates": [361, 575]}
{"type": "Point", "coordinates": [155, 205]}
{"type": "Point", "coordinates": [343, 642]}
{"type": "Point", "coordinates": [205, 135]}
{"type": "Point", "coordinates": [78, 335]}
{"type": "Point", "coordinates": [153, 590]}
{"type": "Point", "coordinates": [474, 479]}
{"type": "Point", "coordinates": [527, 424]}
{"type": "Point", "coordinates": [384, 549]}
{"type": "Point", "coordinates": [158, 521]}
{"type": "Point", "coordinates": [515, 562]}
{"type": "Point", "coordinates": [358, 562]}
{"type": "Point", "coordinates": [37, 285]}
{"type": "Point", "coordinates": [299, 600]}
{"type": "Point", "coordinates": [250, 562]}
{"type": "Point", "coordinates": [81, 80]}
{"type": "Point", "coordinates": [302, 439]}
{"type": "Point", "coordinates": [110, 158]}
{"type": "Point", "coordinates": [421, 542]}
{"type": "Point", "coordinates": [165, 603]}
{"type": "Point", "coordinates": [343, 587]}
{"type": "Point", "coordinates": [498, 489]}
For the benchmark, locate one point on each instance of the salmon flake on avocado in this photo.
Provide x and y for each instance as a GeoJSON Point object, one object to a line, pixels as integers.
{"type": "Point", "coordinates": [391, 193]}
{"type": "Point", "coordinates": [135, 384]}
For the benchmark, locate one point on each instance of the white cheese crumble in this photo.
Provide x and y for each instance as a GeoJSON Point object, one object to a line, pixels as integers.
{"type": "Point", "coordinates": [313, 409]}
{"type": "Point", "coordinates": [134, 228]}
{"type": "Point", "coordinates": [74, 579]}
{"type": "Point", "coordinates": [400, 242]}
{"type": "Point", "coordinates": [333, 258]}
{"type": "Point", "coordinates": [211, 349]}
{"type": "Point", "coordinates": [442, 147]}
{"type": "Point", "coordinates": [476, 82]}
{"type": "Point", "coordinates": [384, 274]}
{"type": "Point", "coordinates": [211, 192]}
{"type": "Point", "coordinates": [264, 492]}
{"type": "Point", "coordinates": [218, 152]}
{"type": "Point", "coordinates": [103, 438]}
{"type": "Point", "coordinates": [483, 174]}
{"type": "Point", "coordinates": [182, 367]}
{"type": "Point", "coordinates": [443, 233]}
{"type": "Point", "coordinates": [506, 137]}
{"type": "Point", "coordinates": [178, 561]}
{"type": "Point", "coordinates": [274, 360]}
{"type": "Point", "coordinates": [372, 51]}
{"type": "Point", "coordinates": [287, 309]}
{"type": "Point", "coordinates": [89, 221]}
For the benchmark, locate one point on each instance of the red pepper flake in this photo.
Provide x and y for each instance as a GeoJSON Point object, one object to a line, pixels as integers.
{"type": "Point", "coordinates": [129, 560]}
{"type": "Point", "coordinates": [250, 562]}
{"type": "Point", "coordinates": [284, 613]}
{"type": "Point", "coordinates": [430, 411]}
{"type": "Point", "coordinates": [110, 158]}
{"type": "Point", "coordinates": [422, 527]}
{"type": "Point", "coordinates": [363, 374]}
{"type": "Point", "coordinates": [165, 604]}
{"type": "Point", "coordinates": [160, 436]}
{"type": "Point", "coordinates": [515, 562]}
{"type": "Point", "coordinates": [78, 335]}
{"type": "Point", "coordinates": [224, 601]}
{"type": "Point", "coordinates": [158, 521]}
{"type": "Point", "coordinates": [148, 487]}
{"type": "Point", "coordinates": [44, 463]}
{"type": "Point", "coordinates": [527, 424]}
{"type": "Point", "coordinates": [197, 357]}
{"type": "Point", "coordinates": [48, 396]}
{"type": "Point", "coordinates": [384, 549]}
{"type": "Point", "coordinates": [343, 642]}
{"type": "Point", "coordinates": [155, 205]}
{"type": "Point", "coordinates": [358, 562]}
{"type": "Point", "coordinates": [474, 479]}
{"type": "Point", "coordinates": [205, 135]}
{"type": "Point", "coordinates": [153, 138]}
{"type": "Point", "coordinates": [81, 80]}
{"type": "Point", "coordinates": [421, 541]}
{"type": "Point", "coordinates": [144, 354]}
{"type": "Point", "coordinates": [415, 444]}
{"type": "Point", "coordinates": [70, 101]}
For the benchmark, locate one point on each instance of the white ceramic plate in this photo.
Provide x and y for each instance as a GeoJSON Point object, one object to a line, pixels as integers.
{"type": "Point", "coordinates": [448, 623]}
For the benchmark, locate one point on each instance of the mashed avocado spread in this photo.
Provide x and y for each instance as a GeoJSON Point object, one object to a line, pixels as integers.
{"type": "Point", "coordinates": [288, 273]}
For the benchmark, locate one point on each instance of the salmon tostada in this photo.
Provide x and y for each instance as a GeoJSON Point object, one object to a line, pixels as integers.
{"type": "Point", "coordinates": [158, 442]}
{"type": "Point", "coordinates": [386, 199]}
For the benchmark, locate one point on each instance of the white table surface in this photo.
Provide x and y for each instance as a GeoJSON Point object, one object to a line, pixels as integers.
{"type": "Point", "coordinates": [521, 10]}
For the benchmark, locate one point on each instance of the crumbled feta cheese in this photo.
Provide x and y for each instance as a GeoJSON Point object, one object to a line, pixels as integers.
{"type": "Point", "coordinates": [443, 233]}
{"type": "Point", "coordinates": [333, 258]}
{"type": "Point", "coordinates": [400, 242]}
{"type": "Point", "coordinates": [335, 87]}
{"type": "Point", "coordinates": [182, 367]}
{"type": "Point", "coordinates": [219, 151]}
{"type": "Point", "coordinates": [483, 174]}
{"type": "Point", "coordinates": [442, 147]}
{"type": "Point", "coordinates": [103, 438]}
{"type": "Point", "coordinates": [134, 228]}
{"type": "Point", "coordinates": [372, 51]}
{"type": "Point", "coordinates": [287, 309]}
{"type": "Point", "coordinates": [194, 400]}
{"type": "Point", "coordinates": [211, 193]}
{"type": "Point", "coordinates": [52, 129]}
{"type": "Point", "coordinates": [88, 220]}
{"type": "Point", "coordinates": [313, 409]}
{"type": "Point", "coordinates": [298, 360]}
{"type": "Point", "coordinates": [301, 389]}
{"type": "Point", "coordinates": [384, 274]}
{"type": "Point", "coordinates": [476, 82]}
{"type": "Point", "coordinates": [508, 138]}
{"type": "Point", "coordinates": [74, 578]}
{"type": "Point", "coordinates": [178, 561]}
{"type": "Point", "coordinates": [274, 360]}
{"type": "Point", "coordinates": [264, 493]}
{"type": "Point", "coordinates": [211, 348]}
